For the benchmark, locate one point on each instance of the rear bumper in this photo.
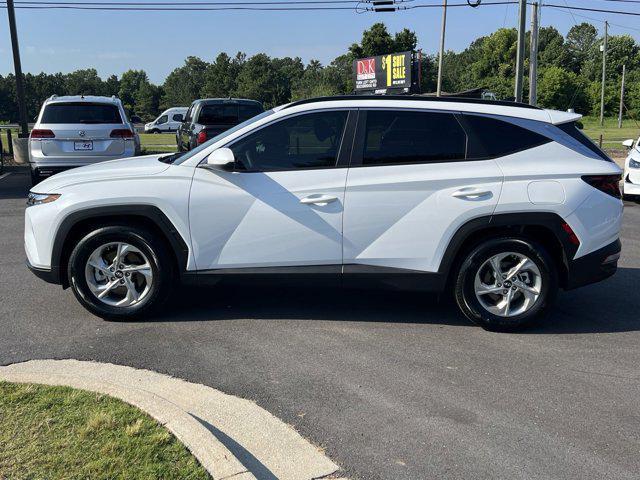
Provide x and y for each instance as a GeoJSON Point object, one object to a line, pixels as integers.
{"type": "Point", "coordinates": [594, 267]}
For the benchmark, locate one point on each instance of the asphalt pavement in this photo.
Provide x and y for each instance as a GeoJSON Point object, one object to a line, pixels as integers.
{"type": "Point", "coordinates": [392, 385]}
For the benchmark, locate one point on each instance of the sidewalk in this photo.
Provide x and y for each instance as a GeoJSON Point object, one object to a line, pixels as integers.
{"type": "Point", "coordinates": [231, 437]}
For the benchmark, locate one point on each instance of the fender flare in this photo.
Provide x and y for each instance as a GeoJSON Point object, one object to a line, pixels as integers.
{"type": "Point", "coordinates": [149, 212]}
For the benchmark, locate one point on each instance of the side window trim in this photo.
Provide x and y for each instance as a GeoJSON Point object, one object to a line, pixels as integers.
{"type": "Point", "coordinates": [344, 150]}
{"type": "Point", "coordinates": [357, 155]}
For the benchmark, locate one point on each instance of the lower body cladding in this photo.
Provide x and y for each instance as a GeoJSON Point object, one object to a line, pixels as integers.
{"type": "Point", "coordinates": [591, 268]}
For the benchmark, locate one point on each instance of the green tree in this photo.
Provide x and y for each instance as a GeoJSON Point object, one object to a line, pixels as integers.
{"type": "Point", "coordinates": [560, 89]}
{"type": "Point", "coordinates": [581, 40]}
{"type": "Point", "coordinates": [184, 84]}
{"type": "Point", "coordinates": [258, 80]}
{"type": "Point", "coordinates": [130, 83]}
{"type": "Point", "coordinates": [83, 82]}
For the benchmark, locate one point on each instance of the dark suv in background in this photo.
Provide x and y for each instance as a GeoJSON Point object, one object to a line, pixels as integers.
{"type": "Point", "coordinates": [209, 117]}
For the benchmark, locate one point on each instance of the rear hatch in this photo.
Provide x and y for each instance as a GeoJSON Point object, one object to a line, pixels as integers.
{"type": "Point", "coordinates": [83, 129]}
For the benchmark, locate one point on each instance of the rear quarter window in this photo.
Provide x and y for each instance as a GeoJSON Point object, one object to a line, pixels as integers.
{"type": "Point", "coordinates": [81, 112]}
{"type": "Point", "coordinates": [574, 132]}
{"type": "Point", "coordinates": [491, 137]}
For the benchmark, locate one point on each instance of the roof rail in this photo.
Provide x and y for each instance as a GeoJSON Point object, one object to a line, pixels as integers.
{"type": "Point", "coordinates": [418, 98]}
{"type": "Point", "coordinates": [53, 97]}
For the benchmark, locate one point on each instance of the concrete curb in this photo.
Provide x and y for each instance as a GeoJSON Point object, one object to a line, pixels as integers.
{"type": "Point", "coordinates": [230, 436]}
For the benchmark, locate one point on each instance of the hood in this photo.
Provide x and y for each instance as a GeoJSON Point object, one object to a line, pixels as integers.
{"type": "Point", "coordinates": [121, 168]}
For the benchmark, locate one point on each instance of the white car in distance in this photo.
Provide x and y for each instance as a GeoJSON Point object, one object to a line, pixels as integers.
{"type": "Point", "coordinates": [167, 121]}
{"type": "Point", "coordinates": [499, 204]}
{"type": "Point", "coordinates": [73, 131]}
{"type": "Point", "coordinates": [631, 175]}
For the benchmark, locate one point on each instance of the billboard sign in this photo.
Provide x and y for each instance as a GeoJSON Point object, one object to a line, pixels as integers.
{"type": "Point", "coordinates": [383, 72]}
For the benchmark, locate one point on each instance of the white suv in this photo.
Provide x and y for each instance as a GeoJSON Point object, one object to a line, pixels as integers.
{"type": "Point", "coordinates": [79, 130]}
{"type": "Point", "coordinates": [501, 204]}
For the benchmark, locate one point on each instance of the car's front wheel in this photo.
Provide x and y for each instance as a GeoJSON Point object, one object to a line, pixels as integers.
{"type": "Point", "coordinates": [506, 284]}
{"type": "Point", "coordinates": [120, 272]}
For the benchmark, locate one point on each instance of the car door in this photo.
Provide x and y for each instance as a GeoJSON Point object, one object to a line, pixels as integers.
{"type": "Point", "coordinates": [410, 187]}
{"type": "Point", "coordinates": [176, 121]}
{"type": "Point", "coordinates": [283, 204]}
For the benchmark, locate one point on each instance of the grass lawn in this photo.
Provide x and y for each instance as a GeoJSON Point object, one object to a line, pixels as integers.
{"type": "Point", "coordinates": [612, 136]}
{"type": "Point", "coordinates": [60, 432]}
{"type": "Point", "coordinates": [158, 143]}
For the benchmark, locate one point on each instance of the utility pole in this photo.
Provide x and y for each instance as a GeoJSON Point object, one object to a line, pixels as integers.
{"type": "Point", "coordinates": [441, 56]}
{"type": "Point", "coordinates": [22, 109]}
{"type": "Point", "coordinates": [604, 70]}
{"type": "Point", "coordinates": [624, 70]}
{"type": "Point", "coordinates": [533, 56]}
{"type": "Point", "coordinates": [522, 25]}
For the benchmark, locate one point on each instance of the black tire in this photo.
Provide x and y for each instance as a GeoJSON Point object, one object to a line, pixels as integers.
{"type": "Point", "coordinates": [464, 288]}
{"type": "Point", "coordinates": [155, 130]}
{"type": "Point", "coordinates": [158, 257]}
{"type": "Point", "coordinates": [35, 178]}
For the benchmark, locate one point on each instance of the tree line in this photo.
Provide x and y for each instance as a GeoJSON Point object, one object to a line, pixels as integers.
{"type": "Point", "coordinates": [569, 74]}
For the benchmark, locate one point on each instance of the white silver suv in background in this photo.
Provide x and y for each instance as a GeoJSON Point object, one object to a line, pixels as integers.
{"type": "Point", "coordinates": [73, 131]}
{"type": "Point", "coordinates": [499, 204]}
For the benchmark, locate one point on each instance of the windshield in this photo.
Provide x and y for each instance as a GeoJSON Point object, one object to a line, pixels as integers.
{"type": "Point", "coordinates": [178, 158]}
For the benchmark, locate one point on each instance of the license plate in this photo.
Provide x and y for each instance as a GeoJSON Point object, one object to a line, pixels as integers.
{"type": "Point", "coordinates": [84, 145]}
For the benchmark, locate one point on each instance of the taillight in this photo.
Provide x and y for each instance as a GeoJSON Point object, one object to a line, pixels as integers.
{"type": "Point", "coordinates": [121, 133]}
{"type": "Point", "coordinates": [41, 133]}
{"type": "Point", "coordinates": [609, 184]}
{"type": "Point", "coordinates": [202, 137]}
{"type": "Point", "coordinates": [573, 238]}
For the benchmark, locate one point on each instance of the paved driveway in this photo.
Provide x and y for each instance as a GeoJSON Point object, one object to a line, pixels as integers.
{"type": "Point", "coordinates": [393, 385]}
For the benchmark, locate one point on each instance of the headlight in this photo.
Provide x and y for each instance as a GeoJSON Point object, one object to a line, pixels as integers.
{"type": "Point", "coordinates": [40, 198]}
{"type": "Point", "coordinates": [634, 163]}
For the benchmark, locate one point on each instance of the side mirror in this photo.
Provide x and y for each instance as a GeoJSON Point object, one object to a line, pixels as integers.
{"type": "Point", "coordinates": [221, 158]}
{"type": "Point", "coordinates": [628, 143]}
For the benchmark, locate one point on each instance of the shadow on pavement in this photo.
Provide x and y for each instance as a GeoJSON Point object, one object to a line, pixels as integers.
{"type": "Point", "coordinates": [15, 185]}
{"type": "Point", "coordinates": [606, 307]}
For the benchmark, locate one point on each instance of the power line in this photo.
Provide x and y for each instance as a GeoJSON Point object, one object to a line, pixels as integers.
{"type": "Point", "coordinates": [591, 9]}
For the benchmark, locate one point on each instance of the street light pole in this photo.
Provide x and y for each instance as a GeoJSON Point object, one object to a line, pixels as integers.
{"type": "Point", "coordinates": [520, 56]}
{"type": "Point", "coordinates": [441, 56]}
{"type": "Point", "coordinates": [624, 71]}
{"type": "Point", "coordinates": [604, 70]}
{"type": "Point", "coordinates": [533, 57]}
{"type": "Point", "coordinates": [22, 109]}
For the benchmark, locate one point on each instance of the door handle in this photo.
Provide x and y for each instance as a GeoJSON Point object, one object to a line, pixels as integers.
{"type": "Point", "coordinates": [472, 193]}
{"type": "Point", "coordinates": [318, 200]}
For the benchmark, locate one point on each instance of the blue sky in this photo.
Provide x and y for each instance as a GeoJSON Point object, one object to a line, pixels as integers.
{"type": "Point", "coordinates": [157, 42]}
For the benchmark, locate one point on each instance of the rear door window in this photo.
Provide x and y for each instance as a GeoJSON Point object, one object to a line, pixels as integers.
{"type": "Point", "coordinates": [81, 112]}
{"type": "Point", "coordinates": [491, 137]}
{"type": "Point", "coordinates": [400, 137]}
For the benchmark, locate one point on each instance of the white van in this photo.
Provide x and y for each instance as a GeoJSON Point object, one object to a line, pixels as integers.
{"type": "Point", "coordinates": [168, 121]}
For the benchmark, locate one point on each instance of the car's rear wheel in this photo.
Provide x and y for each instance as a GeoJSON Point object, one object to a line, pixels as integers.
{"type": "Point", "coordinates": [120, 272]}
{"type": "Point", "coordinates": [506, 284]}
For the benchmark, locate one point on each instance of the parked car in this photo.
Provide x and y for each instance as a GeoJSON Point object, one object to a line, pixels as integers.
{"type": "Point", "coordinates": [168, 121]}
{"type": "Point", "coordinates": [498, 204]}
{"type": "Point", "coordinates": [73, 131]}
{"type": "Point", "coordinates": [631, 175]}
{"type": "Point", "coordinates": [212, 116]}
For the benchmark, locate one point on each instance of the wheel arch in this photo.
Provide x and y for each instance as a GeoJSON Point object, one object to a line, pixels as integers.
{"type": "Point", "coordinates": [543, 227]}
{"type": "Point", "coordinates": [78, 224]}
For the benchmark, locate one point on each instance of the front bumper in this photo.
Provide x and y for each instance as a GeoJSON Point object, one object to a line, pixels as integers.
{"type": "Point", "coordinates": [46, 274]}
{"type": "Point", "coordinates": [594, 267]}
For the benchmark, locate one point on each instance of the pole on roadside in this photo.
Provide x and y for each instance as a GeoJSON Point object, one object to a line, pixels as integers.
{"type": "Point", "coordinates": [604, 70]}
{"type": "Point", "coordinates": [624, 71]}
{"type": "Point", "coordinates": [522, 25]}
{"type": "Point", "coordinates": [22, 108]}
{"type": "Point", "coordinates": [441, 55]}
{"type": "Point", "coordinates": [533, 56]}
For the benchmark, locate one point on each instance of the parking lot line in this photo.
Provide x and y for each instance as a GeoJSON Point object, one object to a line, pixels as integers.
{"type": "Point", "coordinates": [5, 175]}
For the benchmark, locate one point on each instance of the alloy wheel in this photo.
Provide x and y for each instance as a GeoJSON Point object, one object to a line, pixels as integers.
{"type": "Point", "coordinates": [119, 274]}
{"type": "Point", "coordinates": [508, 284]}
